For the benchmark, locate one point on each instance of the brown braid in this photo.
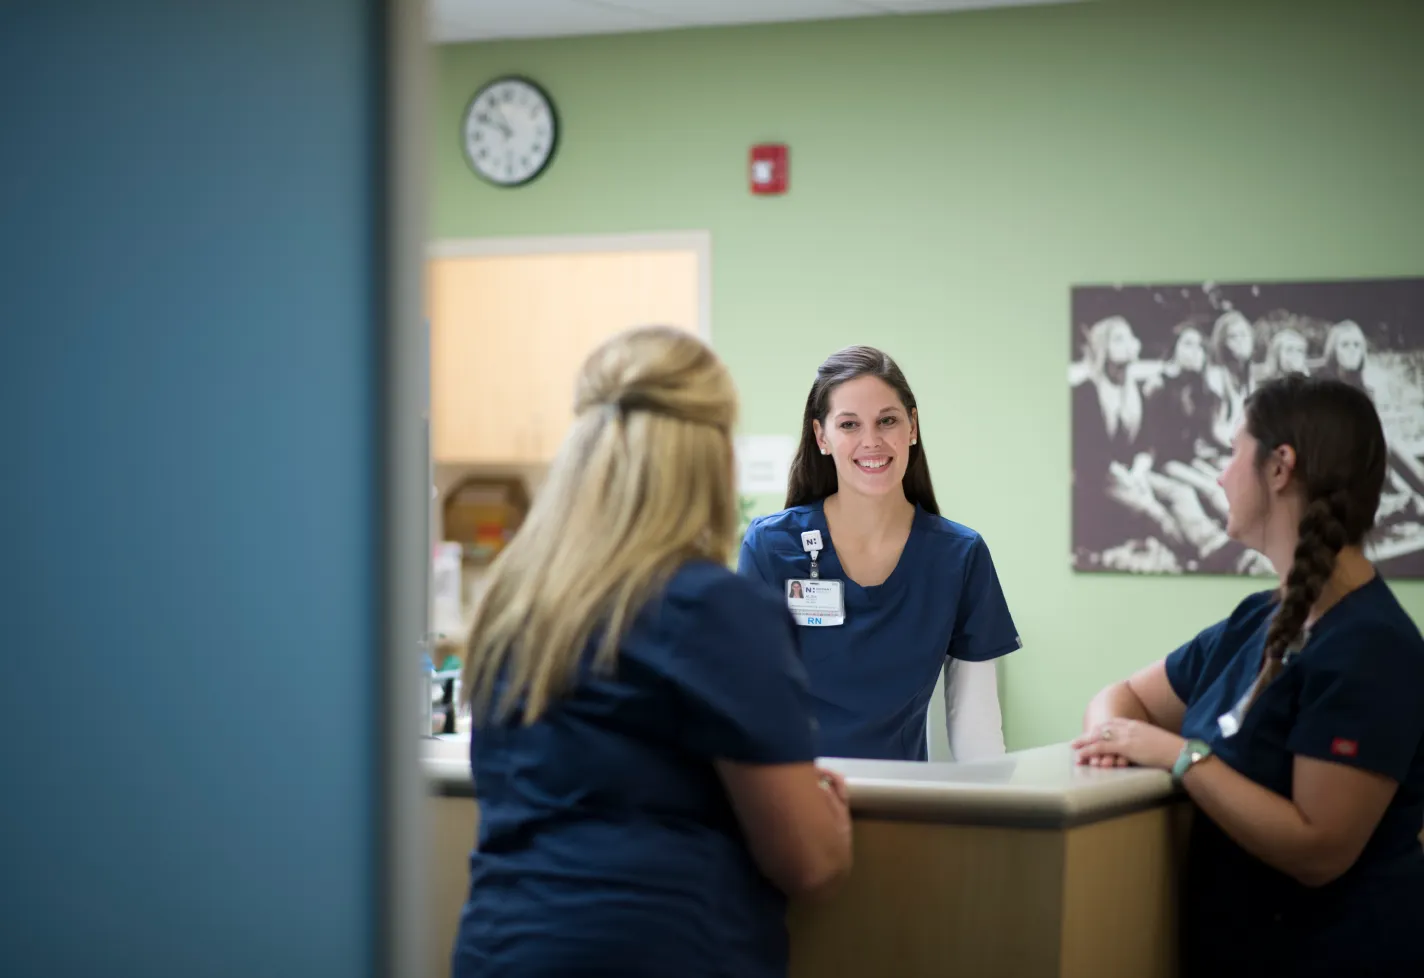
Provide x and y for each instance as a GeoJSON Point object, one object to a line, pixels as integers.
{"type": "Point", "coordinates": [1341, 455]}
{"type": "Point", "coordinates": [1322, 535]}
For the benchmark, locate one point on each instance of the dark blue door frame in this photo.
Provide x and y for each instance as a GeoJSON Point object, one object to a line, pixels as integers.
{"type": "Point", "coordinates": [212, 483]}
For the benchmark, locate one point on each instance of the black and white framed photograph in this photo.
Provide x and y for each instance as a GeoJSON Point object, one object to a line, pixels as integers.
{"type": "Point", "coordinates": [1158, 377]}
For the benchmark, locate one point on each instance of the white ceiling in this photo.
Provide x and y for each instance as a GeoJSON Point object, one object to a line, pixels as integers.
{"type": "Point", "coordinates": [484, 20]}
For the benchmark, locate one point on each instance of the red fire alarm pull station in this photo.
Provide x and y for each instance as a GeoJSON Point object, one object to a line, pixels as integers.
{"type": "Point", "coordinates": [769, 169]}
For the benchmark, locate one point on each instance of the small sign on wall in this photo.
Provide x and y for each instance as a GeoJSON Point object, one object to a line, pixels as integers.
{"type": "Point", "coordinates": [764, 463]}
{"type": "Point", "coordinates": [770, 169]}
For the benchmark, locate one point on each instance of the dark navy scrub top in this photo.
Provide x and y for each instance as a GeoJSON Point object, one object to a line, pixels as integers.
{"type": "Point", "coordinates": [1353, 695]}
{"type": "Point", "coordinates": [607, 844]}
{"type": "Point", "coordinates": [872, 677]}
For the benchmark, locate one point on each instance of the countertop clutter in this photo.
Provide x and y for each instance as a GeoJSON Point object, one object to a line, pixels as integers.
{"type": "Point", "coordinates": [1038, 787]}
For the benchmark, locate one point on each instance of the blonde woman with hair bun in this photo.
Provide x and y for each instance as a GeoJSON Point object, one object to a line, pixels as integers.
{"type": "Point", "coordinates": [644, 751]}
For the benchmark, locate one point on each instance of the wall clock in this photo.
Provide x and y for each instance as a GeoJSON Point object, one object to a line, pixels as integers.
{"type": "Point", "coordinates": [509, 131]}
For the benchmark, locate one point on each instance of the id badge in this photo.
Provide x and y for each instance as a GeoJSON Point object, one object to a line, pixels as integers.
{"type": "Point", "coordinates": [816, 601]}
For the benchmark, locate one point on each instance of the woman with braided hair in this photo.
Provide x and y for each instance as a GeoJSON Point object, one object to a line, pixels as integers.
{"type": "Point", "coordinates": [1296, 724]}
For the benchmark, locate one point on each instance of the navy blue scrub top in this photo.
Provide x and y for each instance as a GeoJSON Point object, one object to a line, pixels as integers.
{"type": "Point", "coordinates": [1353, 695]}
{"type": "Point", "coordinates": [607, 844]}
{"type": "Point", "coordinates": [872, 677]}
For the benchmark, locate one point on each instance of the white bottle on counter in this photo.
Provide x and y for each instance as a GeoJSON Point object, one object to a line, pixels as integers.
{"type": "Point", "coordinates": [448, 620]}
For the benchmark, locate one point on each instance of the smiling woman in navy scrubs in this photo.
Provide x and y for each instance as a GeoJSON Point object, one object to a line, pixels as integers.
{"type": "Point", "coordinates": [896, 594]}
{"type": "Point", "coordinates": [1296, 724]}
{"type": "Point", "coordinates": [643, 753]}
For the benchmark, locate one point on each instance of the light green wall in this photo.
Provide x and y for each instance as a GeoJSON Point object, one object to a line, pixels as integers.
{"type": "Point", "coordinates": [951, 176]}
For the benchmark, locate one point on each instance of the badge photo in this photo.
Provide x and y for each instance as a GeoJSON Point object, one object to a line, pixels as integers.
{"type": "Point", "coordinates": [815, 601]}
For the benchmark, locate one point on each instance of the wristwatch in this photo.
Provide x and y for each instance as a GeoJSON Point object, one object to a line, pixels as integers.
{"type": "Point", "coordinates": [1193, 753]}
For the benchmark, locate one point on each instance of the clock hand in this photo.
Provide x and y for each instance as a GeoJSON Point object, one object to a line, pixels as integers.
{"type": "Point", "coordinates": [508, 126]}
{"type": "Point", "coordinates": [501, 124]}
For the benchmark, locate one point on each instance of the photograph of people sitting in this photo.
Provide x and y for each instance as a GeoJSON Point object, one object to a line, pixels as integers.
{"type": "Point", "coordinates": [1183, 360]}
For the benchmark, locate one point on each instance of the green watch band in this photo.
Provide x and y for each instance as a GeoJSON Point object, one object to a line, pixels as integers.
{"type": "Point", "coordinates": [1193, 753]}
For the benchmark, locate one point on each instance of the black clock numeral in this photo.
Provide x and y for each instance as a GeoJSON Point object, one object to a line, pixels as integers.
{"type": "Point", "coordinates": [536, 148]}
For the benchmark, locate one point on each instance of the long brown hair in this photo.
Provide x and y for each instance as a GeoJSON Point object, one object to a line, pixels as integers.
{"type": "Point", "coordinates": [813, 475]}
{"type": "Point", "coordinates": [1340, 464]}
{"type": "Point", "coordinates": [642, 484]}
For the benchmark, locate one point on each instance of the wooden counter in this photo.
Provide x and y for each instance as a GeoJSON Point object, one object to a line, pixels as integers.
{"type": "Point", "coordinates": [1020, 867]}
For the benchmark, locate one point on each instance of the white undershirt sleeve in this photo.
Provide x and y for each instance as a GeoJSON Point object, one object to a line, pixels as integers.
{"type": "Point", "coordinates": [973, 718]}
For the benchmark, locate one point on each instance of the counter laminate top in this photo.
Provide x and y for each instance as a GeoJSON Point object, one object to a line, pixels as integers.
{"type": "Point", "coordinates": [1038, 787]}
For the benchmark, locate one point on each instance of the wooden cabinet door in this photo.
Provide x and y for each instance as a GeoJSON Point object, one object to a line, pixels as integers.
{"type": "Point", "coordinates": [478, 405]}
{"type": "Point", "coordinates": [600, 294]}
{"type": "Point", "coordinates": [509, 335]}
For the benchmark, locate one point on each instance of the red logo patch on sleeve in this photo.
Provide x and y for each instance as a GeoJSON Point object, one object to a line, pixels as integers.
{"type": "Point", "coordinates": [1344, 748]}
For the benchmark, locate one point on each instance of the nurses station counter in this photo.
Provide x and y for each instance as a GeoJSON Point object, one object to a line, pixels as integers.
{"type": "Point", "coordinates": [1027, 866]}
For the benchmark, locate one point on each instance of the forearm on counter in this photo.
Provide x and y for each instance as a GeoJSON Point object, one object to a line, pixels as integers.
{"type": "Point", "coordinates": [1116, 700]}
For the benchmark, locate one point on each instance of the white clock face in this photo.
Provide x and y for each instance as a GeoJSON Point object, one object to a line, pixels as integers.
{"type": "Point", "coordinates": [510, 131]}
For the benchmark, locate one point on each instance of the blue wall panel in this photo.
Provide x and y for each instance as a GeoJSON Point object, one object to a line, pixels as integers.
{"type": "Point", "coordinates": [189, 272]}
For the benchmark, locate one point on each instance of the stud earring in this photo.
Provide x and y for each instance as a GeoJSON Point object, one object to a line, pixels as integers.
{"type": "Point", "coordinates": [914, 441]}
{"type": "Point", "coordinates": [825, 451]}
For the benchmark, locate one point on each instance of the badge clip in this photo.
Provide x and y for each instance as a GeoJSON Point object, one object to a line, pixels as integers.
{"type": "Point", "coordinates": [811, 543]}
